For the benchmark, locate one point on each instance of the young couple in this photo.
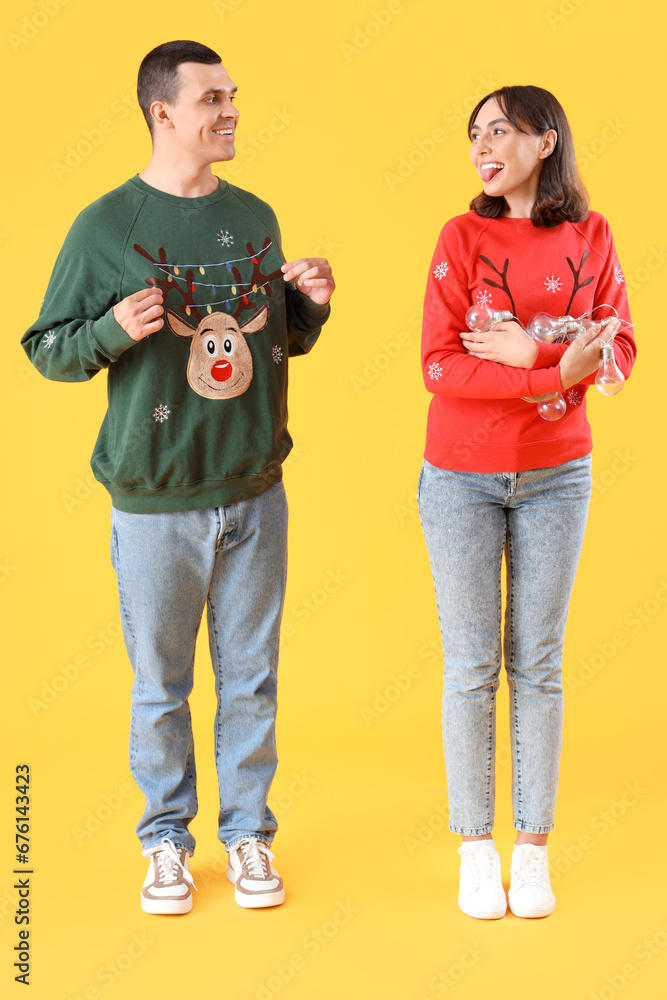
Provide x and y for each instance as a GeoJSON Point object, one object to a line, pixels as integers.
{"type": "Point", "coordinates": [177, 284]}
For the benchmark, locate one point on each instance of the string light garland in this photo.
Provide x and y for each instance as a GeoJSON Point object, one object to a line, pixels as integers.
{"type": "Point", "coordinates": [557, 330]}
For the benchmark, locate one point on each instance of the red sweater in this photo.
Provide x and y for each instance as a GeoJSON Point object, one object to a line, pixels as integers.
{"type": "Point", "coordinates": [477, 421]}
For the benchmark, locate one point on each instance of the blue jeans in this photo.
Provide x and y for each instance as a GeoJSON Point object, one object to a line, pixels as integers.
{"type": "Point", "coordinates": [169, 567]}
{"type": "Point", "coordinates": [537, 518]}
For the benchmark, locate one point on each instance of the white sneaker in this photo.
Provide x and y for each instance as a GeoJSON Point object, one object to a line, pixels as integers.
{"type": "Point", "coordinates": [530, 892]}
{"type": "Point", "coordinates": [481, 892]}
{"type": "Point", "coordinates": [256, 880]}
{"type": "Point", "coordinates": [166, 888]}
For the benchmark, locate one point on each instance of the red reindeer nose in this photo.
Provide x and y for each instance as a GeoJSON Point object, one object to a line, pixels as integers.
{"type": "Point", "coordinates": [221, 371]}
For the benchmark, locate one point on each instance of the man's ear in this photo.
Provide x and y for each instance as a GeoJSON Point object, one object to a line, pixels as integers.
{"type": "Point", "coordinates": [161, 114]}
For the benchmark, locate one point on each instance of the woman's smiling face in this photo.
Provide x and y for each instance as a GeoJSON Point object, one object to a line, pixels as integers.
{"type": "Point", "coordinates": [508, 161]}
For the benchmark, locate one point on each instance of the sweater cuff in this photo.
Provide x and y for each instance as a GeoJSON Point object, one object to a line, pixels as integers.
{"type": "Point", "coordinates": [312, 313]}
{"type": "Point", "coordinates": [548, 355]}
{"type": "Point", "coordinates": [543, 380]}
{"type": "Point", "coordinates": [110, 337]}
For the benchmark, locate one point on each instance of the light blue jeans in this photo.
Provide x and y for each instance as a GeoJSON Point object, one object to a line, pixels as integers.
{"type": "Point", "coordinates": [169, 567]}
{"type": "Point", "coordinates": [537, 518]}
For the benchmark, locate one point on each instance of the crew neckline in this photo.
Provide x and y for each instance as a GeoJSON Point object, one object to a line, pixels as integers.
{"type": "Point", "coordinates": [515, 221]}
{"type": "Point", "coordinates": [177, 200]}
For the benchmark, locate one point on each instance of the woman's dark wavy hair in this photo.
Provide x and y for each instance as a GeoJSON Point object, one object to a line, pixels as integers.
{"type": "Point", "coordinates": [561, 195]}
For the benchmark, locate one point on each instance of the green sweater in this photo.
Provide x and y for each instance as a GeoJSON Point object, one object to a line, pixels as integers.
{"type": "Point", "coordinates": [197, 412]}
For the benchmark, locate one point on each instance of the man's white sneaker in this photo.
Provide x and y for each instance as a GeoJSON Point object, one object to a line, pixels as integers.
{"type": "Point", "coordinates": [256, 880]}
{"type": "Point", "coordinates": [481, 892]}
{"type": "Point", "coordinates": [166, 888]}
{"type": "Point", "coordinates": [530, 892]}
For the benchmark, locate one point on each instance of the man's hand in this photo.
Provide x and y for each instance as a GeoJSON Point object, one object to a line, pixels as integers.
{"type": "Point", "coordinates": [140, 314]}
{"type": "Point", "coordinates": [312, 276]}
{"type": "Point", "coordinates": [582, 357]}
{"type": "Point", "coordinates": [505, 343]}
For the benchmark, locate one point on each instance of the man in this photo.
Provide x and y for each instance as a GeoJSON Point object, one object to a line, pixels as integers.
{"type": "Point", "coordinates": [177, 284]}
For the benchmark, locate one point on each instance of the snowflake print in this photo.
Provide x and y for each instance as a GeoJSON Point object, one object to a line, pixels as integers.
{"type": "Point", "coordinates": [434, 370]}
{"type": "Point", "coordinates": [277, 354]}
{"type": "Point", "coordinates": [483, 298]}
{"type": "Point", "coordinates": [553, 284]}
{"type": "Point", "coordinates": [574, 396]}
{"type": "Point", "coordinates": [49, 339]}
{"type": "Point", "coordinates": [224, 238]}
{"type": "Point", "coordinates": [160, 413]}
{"type": "Point", "coordinates": [618, 274]}
{"type": "Point", "coordinates": [441, 269]}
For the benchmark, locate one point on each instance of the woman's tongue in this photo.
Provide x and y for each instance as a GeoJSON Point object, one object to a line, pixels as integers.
{"type": "Point", "coordinates": [488, 173]}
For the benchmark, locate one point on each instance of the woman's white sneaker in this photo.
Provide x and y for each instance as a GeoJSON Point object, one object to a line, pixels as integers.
{"type": "Point", "coordinates": [530, 892]}
{"type": "Point", "coordinates": [256, 881]}
{"type": "Point", "coordinates": [481, 892]}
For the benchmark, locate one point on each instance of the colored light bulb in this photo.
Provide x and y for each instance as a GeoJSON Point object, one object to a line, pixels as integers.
{"type": "Point", "coordinates": [552, 409]}
{"type": "Point", "coordinates": [481, 318]}
{"type": "Point", "coordinates": [609, 379]}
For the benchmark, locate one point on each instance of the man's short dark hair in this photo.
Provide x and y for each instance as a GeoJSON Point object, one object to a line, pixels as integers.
{"type": "Point", "coordinates": [159, 79]}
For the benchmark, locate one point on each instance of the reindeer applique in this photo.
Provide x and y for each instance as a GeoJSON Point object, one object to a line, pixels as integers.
{"type": "Point", "coordinates": [220, 362]}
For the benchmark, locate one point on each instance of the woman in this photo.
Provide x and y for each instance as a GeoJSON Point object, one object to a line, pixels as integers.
{"type": "Point", "coordinates": [497, 477]}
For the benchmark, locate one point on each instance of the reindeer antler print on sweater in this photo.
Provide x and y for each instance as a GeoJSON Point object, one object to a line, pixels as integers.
{"type": "Point", "coordinates": [501, 274]}
{"type": "Point", "coordinates": [575, 274]}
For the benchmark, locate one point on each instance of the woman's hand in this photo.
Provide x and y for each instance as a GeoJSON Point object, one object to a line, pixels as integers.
{"type": "Point", "coordinates": [582, 357]}
{"type": "Point", "coordinates": [505, 343]}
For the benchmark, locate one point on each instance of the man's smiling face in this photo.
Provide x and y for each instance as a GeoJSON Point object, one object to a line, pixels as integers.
{"type": "Point", "coordinates": [204, 117]}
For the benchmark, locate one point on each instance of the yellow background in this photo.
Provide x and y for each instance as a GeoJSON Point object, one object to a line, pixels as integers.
{"type": "Point", "coordinates": [363, 846]}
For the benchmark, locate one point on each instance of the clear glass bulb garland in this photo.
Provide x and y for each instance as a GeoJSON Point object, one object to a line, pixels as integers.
{"type": "Point", "coordinates": [480, 318]}
{"type": "Point", "coordinates": [609, 379]}
{"type": "Point", "coordinates": [556, 330]}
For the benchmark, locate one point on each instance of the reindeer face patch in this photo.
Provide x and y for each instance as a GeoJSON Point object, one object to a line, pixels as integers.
{"type": "Point", "coordinates": [220, 362]}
